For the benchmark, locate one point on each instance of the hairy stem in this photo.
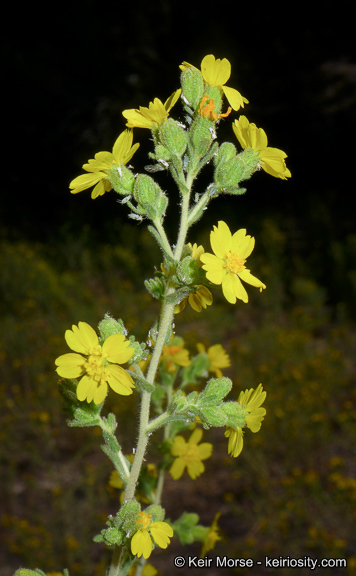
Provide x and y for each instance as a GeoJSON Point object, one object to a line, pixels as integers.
{"type": "Point", "coordinates": [165, 324]}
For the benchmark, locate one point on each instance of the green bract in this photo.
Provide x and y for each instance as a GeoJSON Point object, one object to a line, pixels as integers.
{"type": "Point", "coordinates": [173, 137]}
{"type": "Point", "coordinates": [192, 87]}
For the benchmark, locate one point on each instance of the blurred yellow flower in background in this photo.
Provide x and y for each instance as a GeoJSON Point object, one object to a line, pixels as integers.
{"type": "Point", "coordinates": [174, 354]}
{"type": "Point", "coordinates": [217, 357]}
{"type": "Point", "coordinates": [189, 455]}
{"type": "Point", "coordinates": [211, 537]}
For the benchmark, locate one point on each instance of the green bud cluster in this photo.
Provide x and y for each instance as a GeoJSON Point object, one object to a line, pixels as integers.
{"type": "Point", "coordinates": [121, 525]}
{"type": "Point", "coordinates": [150, 198]}
{"type": "Point", "coordinates": [209, 405]}
{"type": "Point", "coordinates": [231, 168]}
{"type": "Point", "coordinates": [187, 529]}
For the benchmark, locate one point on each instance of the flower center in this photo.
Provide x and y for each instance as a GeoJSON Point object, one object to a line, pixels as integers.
{"type": "Point", "coordinates": [144, 519]}
{"type": "Point", "coordinates": [94, 366]}
{"type": "Point", "coordinates": [191, 454]}
{"type": "Point", "coordinates": [234, 263]}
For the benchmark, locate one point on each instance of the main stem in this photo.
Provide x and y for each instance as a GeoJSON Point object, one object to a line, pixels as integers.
{"type": "Point", "coordinates": [165, 324]}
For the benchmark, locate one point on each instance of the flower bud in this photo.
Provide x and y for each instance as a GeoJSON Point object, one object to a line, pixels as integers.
{"type": "Point", "coordinates": [161, 153]}
{"type": "Point", "coordinates": [192, 86]}
{"type": "Point", "coordinates": [226, 152]}
{"type": "Point", "coordinates": [109, 326]}
{"type": "Point", "coordinates": [201, 136]}
{"type": "Point", "coordinates": [173, 137]}
{"type": "Point", "coordinates": [156, 511]}
{"type": "Point", "coordinates": [122, 180]}
{"type": "Point", "coordinates": [229, 173]}
{"type": "Point", "coordinates": [188, 270]}
{"type": "Point", "coordinates": [161, 206]}
{"type": "Point", "coordinates": [250, 160]}
{"type": "Point", "coordinates": [146, 190]}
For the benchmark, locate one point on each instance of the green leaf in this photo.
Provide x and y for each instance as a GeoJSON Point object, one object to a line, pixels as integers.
{"type": "Point", "coordinates": [179, 295]}
{"type": "Point", "coordinates": [141, 383]}
{"type": "Point", "coordinates": [156, 287]}
{"type": "Point", "coordinates": [197, 369]}
{"type": "Point", "coordinates": [208, 405]}
{"type": "Point", "coordinates": [28, 572]}
{"type": "Point", "coordinates": [215, 390]}
{"type": "Point", "coordinates": [187, 529]}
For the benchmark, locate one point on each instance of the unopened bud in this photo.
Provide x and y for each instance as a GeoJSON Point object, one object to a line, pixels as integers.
{"type": "Point", "coordinates": [192, 86]}
{"type": "Point", "coordinates": [173, 137]}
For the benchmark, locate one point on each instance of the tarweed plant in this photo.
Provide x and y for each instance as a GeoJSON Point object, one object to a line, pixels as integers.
{"type": "Point", "coordinates": [180, 395]}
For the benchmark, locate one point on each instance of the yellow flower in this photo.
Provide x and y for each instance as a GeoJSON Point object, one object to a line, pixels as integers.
{"type": "Point", "coordinates": [272, 159]}
{"type": "Point", "coordinates": [148, 570]}
{"type": "Point", "coordinates": [235, 444]}
{"type": "Point", "coordinates": [190, 455]}
{"type": "Point", "coordinates": [251, 400]}
{"type": "Point", "coordinates": [217, 357]}
{"type": "Point", "coordinates": [96, 365]}
{"type": "Point", "coordinates": [115, 480]}
{"type": "Point", "coordinates": [216, 73]}
{"type": "Point", "coordinates": [227, 266]}
{"type": "Point", "coordinates": [122, 153]}
{"type": "Point", "coordinates": [154, 115]}
{"type": "Point", "coordinates": [202, 297]}
{"type": "Point", "coordinates": [141, 543]}
{"type": "Point", "coordinates": [173, 356]}
{"type": "Point", "coordinates": [211, 537]}
{"type": "Point", "coordinates": [197, 251]}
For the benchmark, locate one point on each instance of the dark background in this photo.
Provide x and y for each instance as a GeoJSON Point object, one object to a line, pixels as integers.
{"type": "Point", "coordinates": [71, 69]}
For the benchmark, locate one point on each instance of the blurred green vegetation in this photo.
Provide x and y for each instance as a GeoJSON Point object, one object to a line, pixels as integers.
{"type": "Point", "coordinates": [293, 489]}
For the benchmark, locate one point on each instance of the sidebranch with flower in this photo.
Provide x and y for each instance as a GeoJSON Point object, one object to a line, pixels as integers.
{"type": "Point", "coordinates": [227, 265]}
{"type": "Point", "coordinates": [272, 159]}
{"type": "Point", "coordinates": [216, 72]}
{"type": "Point", "coordinates": [154, 115]}
{"type": "Point", "coordinates": [96, 365]}
{"type": "Point", "coordinates": [148, 534]}
{"type": "Point", "coordinates": [251, 400]}
{"type": "Point", "coordinates": [98, 168]}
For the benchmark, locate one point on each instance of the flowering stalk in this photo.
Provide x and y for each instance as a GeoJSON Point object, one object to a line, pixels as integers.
{"type": "Point", "coordinates": [161, 368]}
{"type": "Point", "coordinates": [164, 327]}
